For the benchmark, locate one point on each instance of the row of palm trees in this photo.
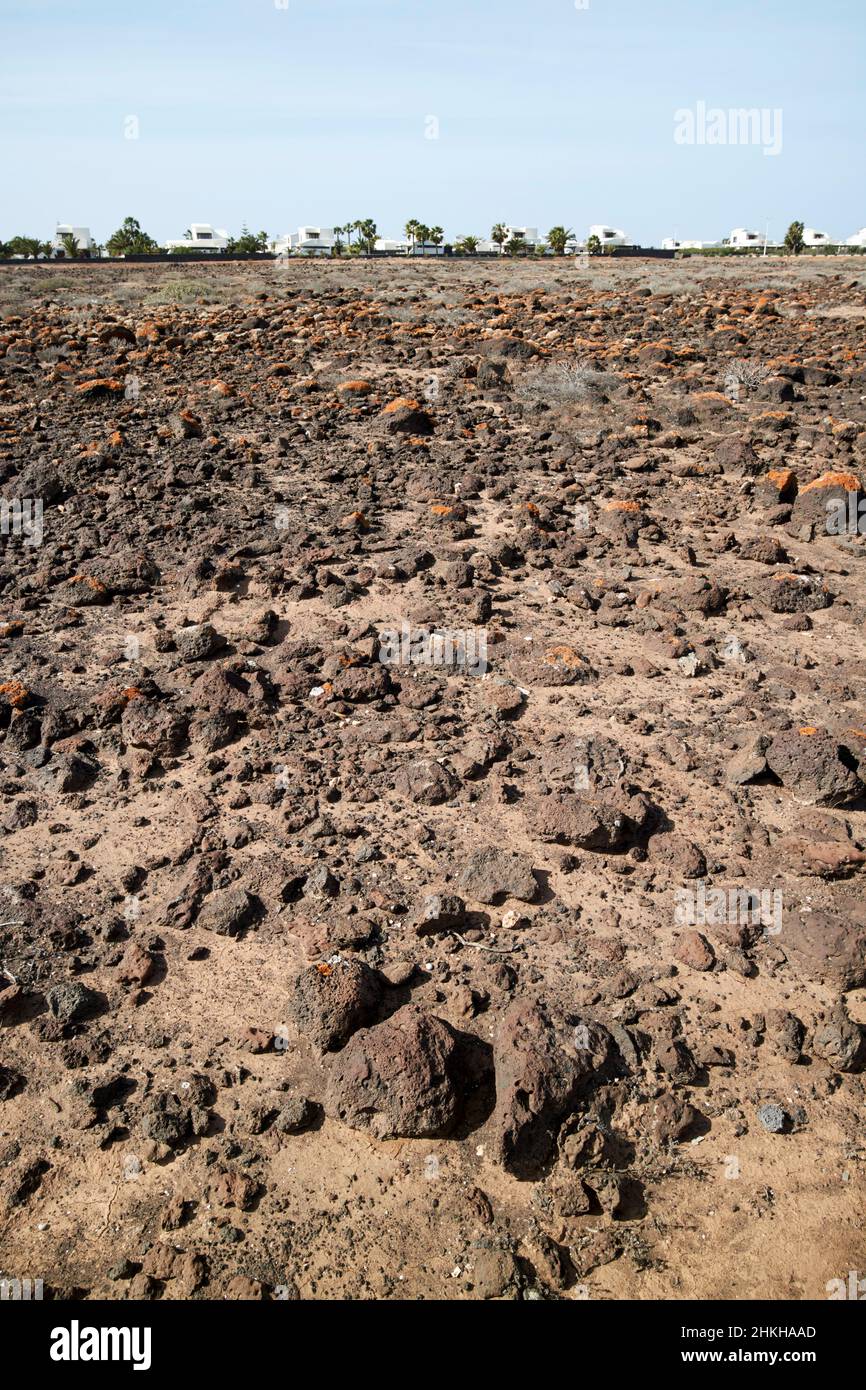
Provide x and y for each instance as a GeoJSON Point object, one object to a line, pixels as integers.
{"type": "Point", "coordinates": [366, 232]}
{"type": "Point", "coordinates": [130, 239]}
{"type": "Point", "coordinates": [421, 235]}
{"type": "Point", "coordinates": [559, 239]}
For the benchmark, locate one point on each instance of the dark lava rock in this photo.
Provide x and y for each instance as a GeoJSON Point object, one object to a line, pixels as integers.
{"type": "Point", "coordinates": [399, 1079]}
{"type": "Point", "coordinates": [297, 1114]}
{"type": "Point", "coordinates": [839, 1041]}
{"type": "Point", "coordinates": [493, 873]}
{"type": "Point", "coordinates": [439, 912]}
{"type": "Point", "coordinates": [540, 1070]}
{"type": "Point", "coordinates": [587, 822]}
{"type": "Point", "coordinates": [426, 782]}
{"type": "Point", "coordinates": [11, 1082]}
{"type": "Point", "coordinates": [795, 593]}
{"type": "Point", "coordinates": [228, 913]}
{"type": "Point", "coordinates": [815, 767]}
{"type": "Point", "coordinates": [71, 1002]}
{"type": "Point", "coordinates": [173, 1122]}
{"type": "Point", "coordinates": [199, 642]}
{"type": "Point", "coordinates": [329, 1002]}
{"type": "Point", "coordinates": [828, 946]}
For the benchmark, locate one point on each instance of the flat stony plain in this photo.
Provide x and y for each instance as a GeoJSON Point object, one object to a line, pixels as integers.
{"type": "Point", "coordinates": [329, 976]}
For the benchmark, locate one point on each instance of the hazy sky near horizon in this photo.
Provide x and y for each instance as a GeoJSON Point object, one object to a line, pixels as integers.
{"type": "Point", "coordinates": [283, 112]}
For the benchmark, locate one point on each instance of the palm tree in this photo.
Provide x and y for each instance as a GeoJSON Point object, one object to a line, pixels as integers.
{"type": "Point", "coordinates": [69, 244]}
{"type": "Point", "coordinates": [517, 245]}
{"type": "Point", "coordinates": [466, 245]}
{"type": "Point", "coordinates": [593, 246]}
{"type": "Point", "coordinates": [367, 235]}
{"type": "Point", "coordinates": [499, 235]}
{"type": "Point", "coordinates": [130, 240]}
{"type": "Point", "coordinates": [411, 229]}
{"type": "Point", "coordinates": [28, 246]}
{"type": "Point", "coordinates": [337, 248]}
{"type": "Point", "coordinates": [794, 242]}
{"type": "Point", "coordinates": [423, 235]}
{"type": "Point", "coordinates": [559, 239]}
{"type": "Point", "coordinates": [436, 236]}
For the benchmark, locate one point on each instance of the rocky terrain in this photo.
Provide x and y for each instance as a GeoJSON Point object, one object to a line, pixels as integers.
{"type": "Point", "coordinates": [433, 722]}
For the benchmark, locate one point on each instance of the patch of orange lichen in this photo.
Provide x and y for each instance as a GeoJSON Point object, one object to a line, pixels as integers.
{"type": "Point", "coordinates": [92, 583]}
{"type": "Point", "coordinates": [849, 481]}
{"type": "Point", "coordinates": [14, 693]}
{"type": "Point", "coordinates": [562, 656]}
{"type": "Point", "coordinates": [783, 478]}
{"type": "Point", "coordinates": [109, 384]}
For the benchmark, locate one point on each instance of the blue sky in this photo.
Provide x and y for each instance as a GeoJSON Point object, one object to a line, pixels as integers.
{"type": "Point", "coordinates": [280, 112]}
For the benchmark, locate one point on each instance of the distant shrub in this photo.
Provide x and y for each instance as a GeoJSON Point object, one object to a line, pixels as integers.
{"type": "Point", "coordinates": [567, 383]}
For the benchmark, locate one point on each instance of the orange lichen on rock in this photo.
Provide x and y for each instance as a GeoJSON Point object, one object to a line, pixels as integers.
{"type": "Point", "coordinates": [14, 693]}
{"type": "Point", "coordinates": [355, 388]}
{"type": "Point", "coordinates": [783, 478]}
{"type": "Point", "coordinates": [149, 331]}
{"type": "Point", "coordinates": [100, 386]}
{"type": "Point", "coordinates": [91, 581]}
{"type": "Point", "coordinates": [563, 656]}
{"type": "Point", "coordinates": [621, 506]}
{"type": "Point", "coordinates": [849, 481]}
{"type": "Point", "coordinates": [401, 403]}
{"type": "Point", "coordinates": [807, 730]}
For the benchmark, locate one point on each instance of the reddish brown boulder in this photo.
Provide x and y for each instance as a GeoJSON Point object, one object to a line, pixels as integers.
{"type": "Point", "coordinates": [399, 1079]}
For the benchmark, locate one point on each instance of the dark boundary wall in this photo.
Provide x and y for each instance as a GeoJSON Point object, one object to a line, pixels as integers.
{"type": "Point", "coordinates": [646, 252]}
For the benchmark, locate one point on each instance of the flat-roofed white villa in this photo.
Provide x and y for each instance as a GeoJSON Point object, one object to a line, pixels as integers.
{"type": "Point", "coordinates": [527, 234]}
{"type": "Point", "coordinates": [671, 243]}
{"type": "Point", "coordinates": [398, 246]}
{"type": "Point", "coordinates": [82, 236]}
{"type": "Point", "coordinates": [741, 236]}
{"type": "Point", "coordinates": [201, 236]}
{"type": "Point", "coordinates": [608, 236]}
{"type": "Point", "coordinates": [858, 239]}
{"type": "Point", "coordinates": [308, 240]}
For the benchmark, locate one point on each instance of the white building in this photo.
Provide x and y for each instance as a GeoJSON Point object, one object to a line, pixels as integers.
{"type": "Point", "coordinates": [609, 236]}
{"type": "Point", "coordinates": [671, 243]}
{"type": "Point", "coordinates": [200, 237]}
{"type": "Point", "coordinates": [527, 234]}
{"type": "Point", "coordinates": [81, 234]}
{"type": "Point", "coordinates": [310, 241]}
{"type": "Point", "coordinates": [397, 246]}
{"type": "Point", "coordinates": [813, 238]}
{"type": "Point", "coordinates": [741, 236]}
{"type": "Point", "coordinates": [858, 239]}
